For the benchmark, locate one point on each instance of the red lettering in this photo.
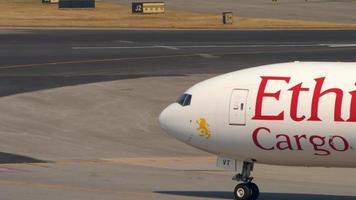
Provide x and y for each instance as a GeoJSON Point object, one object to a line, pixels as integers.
{"type": "Point", "coordinates": [345, 144]}
{"type": "Point", "coordinates": [294, 102]}
{"type": "Point", "coordinates": [317, 146]}
{"type": "Point", "coordinates": [286, 142]}
{"type": "Point", "coordinates": [262, 94]}
{"type": "Point", "coordinates": [318, 94]}
{"type": "Point", "coordinates": [255, 138]}
{"type": "Point", "coordinates": [297, 141]}
{"type": "Point", "coordinates": [352, 107]}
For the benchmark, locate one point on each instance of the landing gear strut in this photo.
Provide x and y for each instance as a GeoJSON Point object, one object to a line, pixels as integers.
{"type": "Point", "coordinates": [245, 190]}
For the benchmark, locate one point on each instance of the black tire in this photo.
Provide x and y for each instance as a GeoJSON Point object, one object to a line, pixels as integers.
{"type": "Point", "coordinates": [242, 192]}
{"type": "Point", "coordinates": [255, 191]}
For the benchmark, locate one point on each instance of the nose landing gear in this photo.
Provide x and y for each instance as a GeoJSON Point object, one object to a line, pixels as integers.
{"type": "Point", "coordinates": [246, 190]}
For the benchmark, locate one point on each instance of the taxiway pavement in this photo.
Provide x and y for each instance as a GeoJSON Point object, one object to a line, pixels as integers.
{"type": "Point", "coordinates": [40, 59]}
{"type": "Point", "coordinates": [79, 108]}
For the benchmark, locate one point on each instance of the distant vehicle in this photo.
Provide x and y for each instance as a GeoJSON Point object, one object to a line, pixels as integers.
{"type": "Point", "coordinates": [293, 114]}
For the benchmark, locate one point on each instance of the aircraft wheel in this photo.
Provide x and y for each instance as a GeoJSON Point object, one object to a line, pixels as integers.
{"type": "Point", "coordinates": [255, 191]}
{"type": "Point", "coordinates": [243, 191]}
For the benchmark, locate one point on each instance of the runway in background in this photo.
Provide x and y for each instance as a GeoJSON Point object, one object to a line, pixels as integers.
{"type": "Point", "coordinates": [40, 59]}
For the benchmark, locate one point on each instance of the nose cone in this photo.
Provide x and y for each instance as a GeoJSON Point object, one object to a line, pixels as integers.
{"type": "Point", "coordinates": [173, 121]}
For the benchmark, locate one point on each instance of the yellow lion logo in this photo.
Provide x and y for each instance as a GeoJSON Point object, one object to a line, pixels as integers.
{"type": "Point", "coordinates": [203, 128]}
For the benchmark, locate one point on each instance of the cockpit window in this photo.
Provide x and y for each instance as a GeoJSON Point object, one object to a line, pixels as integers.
{"type": "Point", "coordinates": [181, 99]}
{"type": "Point", "coordinates": [185, 99]}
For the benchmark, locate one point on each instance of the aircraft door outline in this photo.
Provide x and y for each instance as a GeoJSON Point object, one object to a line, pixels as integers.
{"type": "Point", "coordinates": [238, 107]}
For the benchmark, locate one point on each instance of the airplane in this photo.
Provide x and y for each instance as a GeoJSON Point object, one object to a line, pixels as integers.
{"type": "Point", "coordinates": [290, 114]}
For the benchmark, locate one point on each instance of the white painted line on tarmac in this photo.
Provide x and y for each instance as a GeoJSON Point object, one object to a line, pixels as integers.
{"type": "Point", "coordinates": [171, 47]}
{"type": "Point", "coordinates": [95, 61]}
{"type": "Point", "coordinates": [131, 47]}
{"type": "Point", "coordinates": [125, 41]}
{"type": "Point", "coordinates": [167, 47]}
{"type": "Point", "coordinates": [195, 46]}
{"type": "Point", "coordinates": [205, 55]}
{"type": "Point", "coordinates": [269, 45]}
{"type": "Point", "coordinates": [99, 48]}
{"type": "Point", "coordinates": [339, 45]}
{"type": "Point", "coordinates": [250, 46]}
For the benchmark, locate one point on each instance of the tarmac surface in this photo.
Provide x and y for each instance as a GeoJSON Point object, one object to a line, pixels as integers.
{"type": "Point", "coordinates": [40, 59]}
{"type": "Point", "coordinates": [311, 10]}
{"type": "Point", "coordinates": [79, 113]}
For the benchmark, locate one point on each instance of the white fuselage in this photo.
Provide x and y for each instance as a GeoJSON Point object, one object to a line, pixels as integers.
{"type": "Point", "coordinates": [300, 114]}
